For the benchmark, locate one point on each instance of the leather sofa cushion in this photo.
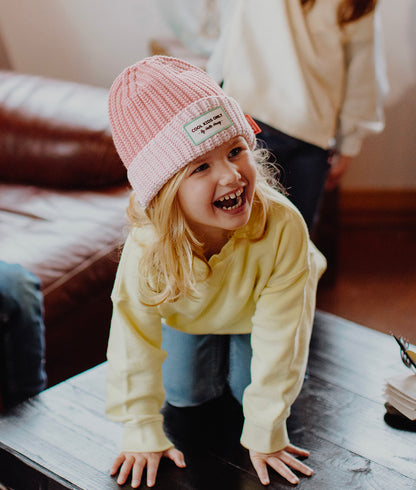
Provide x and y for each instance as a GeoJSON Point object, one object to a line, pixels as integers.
{"type": "Point", "coordinates": [61, 236]}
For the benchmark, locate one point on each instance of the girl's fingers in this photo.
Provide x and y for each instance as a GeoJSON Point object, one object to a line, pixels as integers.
{"type": "Point", "coordinates": [125, 469]}
{"type": "Point", "coordinates": [297, 451]}
{"type": "Point", "coordinates": [138, 468]}
{"type": "Point", "coordinates": [117, 463]}
{"type": "Point", "coordinates": [137, 474]}
{"type": "Point", "coordinates": [295, 464]}
{"type": "Point", "coordinates": [282, 462]}
{"type": "Point", "coordinates": [176, 456]}
{"type": "Point", "coordinates": [279, 466]}
{"type": "Point", "coordinates": [261, 470]}
{"type": "Point", "coordinates": [152, 466]}
{"type": "Point", "coordinates": [136, 462]}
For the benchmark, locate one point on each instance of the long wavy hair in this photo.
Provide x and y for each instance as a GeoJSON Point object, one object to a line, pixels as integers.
{"type": "Point", "coordinates": [167, 265]}
{"type": "Point", "coordinates": [348, 10]}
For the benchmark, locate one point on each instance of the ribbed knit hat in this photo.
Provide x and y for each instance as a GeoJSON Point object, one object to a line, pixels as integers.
{"type": "Point", "coordinates": [165, 113]}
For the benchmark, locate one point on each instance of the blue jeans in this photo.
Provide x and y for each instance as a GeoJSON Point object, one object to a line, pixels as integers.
{"type": "Point", "coordinates": [22, 334]}
{"type": "Point", "coordinates": [199, 368]}
{"type": "Point", "coordinates": [304, 168]}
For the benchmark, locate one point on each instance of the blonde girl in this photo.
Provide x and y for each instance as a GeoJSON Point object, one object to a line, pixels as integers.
{"type": "Point", "coordinates": [216, 284]}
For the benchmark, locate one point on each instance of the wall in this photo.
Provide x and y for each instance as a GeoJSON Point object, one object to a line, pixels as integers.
{"type": "Point", "coordinates": [81, 40]}
{"type": "Point", "coordinates": [388, 160]}
{"type": "Point", "coordinates": [93, 40]}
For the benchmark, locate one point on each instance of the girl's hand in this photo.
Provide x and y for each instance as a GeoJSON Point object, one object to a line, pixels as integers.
{"type": "Point", "coordinates": [136, 462]}
{"type": "Point", "coordinates": [280, 461]}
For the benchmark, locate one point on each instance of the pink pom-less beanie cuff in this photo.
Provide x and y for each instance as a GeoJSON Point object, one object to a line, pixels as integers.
{"type": "Point", "coordinates": [165, 113]}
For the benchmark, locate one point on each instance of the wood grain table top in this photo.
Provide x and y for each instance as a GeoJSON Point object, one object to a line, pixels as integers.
{"type": "Point", "coordinates": [61, 438]}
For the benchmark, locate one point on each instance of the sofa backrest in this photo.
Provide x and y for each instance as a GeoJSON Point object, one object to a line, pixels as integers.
{"type": "Point", "coordinates": [56, 133]}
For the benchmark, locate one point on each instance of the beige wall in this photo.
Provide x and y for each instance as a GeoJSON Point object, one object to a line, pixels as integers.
{"type": "Point", "coordinates": [388, 160]}
{"type": "Point", "coordinates": [93, 40]}
{"type": "Point", "coordinates": [81, 40]}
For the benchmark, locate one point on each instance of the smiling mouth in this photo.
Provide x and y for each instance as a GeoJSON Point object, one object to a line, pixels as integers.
{"type": "Point", "coordinates": [231, 201]}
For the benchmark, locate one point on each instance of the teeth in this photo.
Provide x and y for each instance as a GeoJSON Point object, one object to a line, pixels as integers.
{"type": "Point", "coordinates": [239, 203]}
{"type": "Point", "coordinates": [232, 196]}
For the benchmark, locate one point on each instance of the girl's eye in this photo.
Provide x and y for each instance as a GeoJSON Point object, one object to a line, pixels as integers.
{"type": "Point", "coordinates": [201, 168]}
{"type": "Point", "coordinates": [235, 151]}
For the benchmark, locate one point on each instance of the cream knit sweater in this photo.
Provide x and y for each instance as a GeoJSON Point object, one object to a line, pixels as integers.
{"type": "Point", "coordinates": [297, 71]}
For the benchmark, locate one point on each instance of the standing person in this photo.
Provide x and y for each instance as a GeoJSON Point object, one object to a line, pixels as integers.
{"type": "Point", "coordinates": [22, 334]}
{"type": "Point", "coordinates": [218, 271]}
{"type": "Point", "coordinates": [311, 73]}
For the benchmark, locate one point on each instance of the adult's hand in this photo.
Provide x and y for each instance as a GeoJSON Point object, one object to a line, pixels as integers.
{"type": "Point", "coordinates": [339, 165]}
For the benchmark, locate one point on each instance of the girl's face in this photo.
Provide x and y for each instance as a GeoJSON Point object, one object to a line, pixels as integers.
{"type": "Point", "coordinates": [216, 194]}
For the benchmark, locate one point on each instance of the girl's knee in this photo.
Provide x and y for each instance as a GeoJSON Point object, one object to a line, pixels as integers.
{"type": "Point", "coordinates": [240, 365]}
{"type": "Point", "coordinates": [195, 370]}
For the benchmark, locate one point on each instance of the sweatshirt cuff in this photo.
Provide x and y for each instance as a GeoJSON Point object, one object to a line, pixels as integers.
{"type": "Point", "coordinates": [264, 440]}
{"type": "Point", "coordinates": [148, 437]}
{"type": "Point", "coordinates": [349, 145]}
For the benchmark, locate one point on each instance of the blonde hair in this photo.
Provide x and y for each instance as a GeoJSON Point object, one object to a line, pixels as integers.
{"type": "Point", "coordinates": [167, 266]}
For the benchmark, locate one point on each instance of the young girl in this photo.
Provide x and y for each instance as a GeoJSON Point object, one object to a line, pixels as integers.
{"type": "Point", "coordinates": [216, 259]}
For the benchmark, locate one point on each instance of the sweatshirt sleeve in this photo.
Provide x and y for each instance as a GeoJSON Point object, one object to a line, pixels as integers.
{"type": "Point", "coordinates": [365, 85]}
{"type": "Point", "coordinates": [134, 386]}
{"type": "Point", "coordinates": [282, 326]}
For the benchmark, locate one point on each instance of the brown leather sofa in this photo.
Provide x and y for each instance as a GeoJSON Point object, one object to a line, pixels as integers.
{"type": "Point", "coordinates": [63, 194]}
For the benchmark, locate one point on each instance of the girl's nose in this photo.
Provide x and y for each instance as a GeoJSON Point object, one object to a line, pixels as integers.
{"type": "Point", "coordinates": [229, 174]}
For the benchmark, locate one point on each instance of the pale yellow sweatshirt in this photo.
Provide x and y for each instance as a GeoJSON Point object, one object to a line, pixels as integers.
{"type": "Point", "coordinates": [267, 288]}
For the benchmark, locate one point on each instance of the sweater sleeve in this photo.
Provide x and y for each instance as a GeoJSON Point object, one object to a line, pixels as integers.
{"type": "Point", "coordinates": [134, 386]}
{"type": "Point", "coordinates": [365, 85]}
{"type": "Point", "coordinates": [282, 326]}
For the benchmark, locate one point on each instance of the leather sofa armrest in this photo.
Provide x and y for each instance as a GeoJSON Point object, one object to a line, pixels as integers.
{"type": "Point", "coordinates": [56, 133]}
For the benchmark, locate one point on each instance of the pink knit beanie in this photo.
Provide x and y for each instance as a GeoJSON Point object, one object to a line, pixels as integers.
{"type": "Point", "coordinates": [165, 113]}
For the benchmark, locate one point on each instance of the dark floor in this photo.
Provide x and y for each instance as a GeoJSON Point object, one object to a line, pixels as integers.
{"type": "Point", "coordinates": [375, 281]}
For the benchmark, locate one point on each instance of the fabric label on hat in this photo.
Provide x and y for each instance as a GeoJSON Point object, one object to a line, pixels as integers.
{"type": "Point", "coordinates": [205, 126]}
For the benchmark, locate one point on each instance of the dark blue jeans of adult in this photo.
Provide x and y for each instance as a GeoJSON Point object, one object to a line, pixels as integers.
{"type": "Point", "coordinates": [22, 334]}
{"type": "Point", "coordinates": [303, 169]}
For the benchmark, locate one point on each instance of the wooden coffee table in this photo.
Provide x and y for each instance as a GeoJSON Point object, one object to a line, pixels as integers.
{"type": "Point", "coordinates": [62, 439]}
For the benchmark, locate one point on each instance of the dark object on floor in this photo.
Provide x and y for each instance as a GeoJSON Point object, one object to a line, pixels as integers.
{"type": "Point", "coordinates": [397, 420]}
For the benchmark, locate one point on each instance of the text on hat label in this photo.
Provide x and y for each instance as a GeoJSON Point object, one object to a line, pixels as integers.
{"type": "Point", "coordinates": [205, 126]}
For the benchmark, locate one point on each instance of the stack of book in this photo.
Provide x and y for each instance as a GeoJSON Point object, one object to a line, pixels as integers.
{"type": "Point", "coordinates": [400, 392]}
